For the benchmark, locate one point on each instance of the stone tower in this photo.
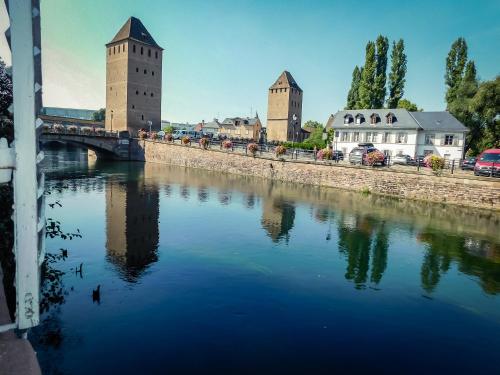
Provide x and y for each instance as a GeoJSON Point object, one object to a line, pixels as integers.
{"type": "Point", "coordinates": [133, 79]}
{"type": "Point", "coordinates": [285, 100]}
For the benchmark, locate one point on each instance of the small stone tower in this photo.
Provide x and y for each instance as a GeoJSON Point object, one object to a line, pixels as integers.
{"type": "Point", "coordinates": [133, 79]}
{"type": "Point", "coordinates": [285, 100]}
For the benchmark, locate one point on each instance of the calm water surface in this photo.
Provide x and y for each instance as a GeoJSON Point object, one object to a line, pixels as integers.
{"type": "Point", "coordinates": [210, 273]}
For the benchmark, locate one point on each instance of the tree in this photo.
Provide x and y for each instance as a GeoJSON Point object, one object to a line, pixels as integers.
{"type": "Point", "coordinates": [5, 89]}
{"type": "Point", "coordinates": [460, 106]}
{"type": "Point", "coordinates": [313, 124]}
{"type": "Point", "coordinates": [99, 115]}
{"type": "Point", "coordinates": [397, 75]}
{"type": "Point", "coordinates": [168, 129]}
{"type": "Point", "coordinates": [455, 64]}
{"type": "Point", "coordinates": [353, 95]}
{"type": "Point", "coordinates": [486, 106]}
{"type": "Point", "coordinates": [382, 45]}
{"type": "Point", "coordinates": [409, 106]}
{"type": "Point", "coordinates": [367, 84]}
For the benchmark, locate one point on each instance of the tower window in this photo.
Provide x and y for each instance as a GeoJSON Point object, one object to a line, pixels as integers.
{"type": "Point", "coordinates": [156, 54]}
{"type": "Point", "coordinates": [142, 51]}
{"type": "Point", "coordinates": [152, 73]}
{"type": "Point", "coordinates": [109, 51]}
{"type": "Point", "coordinates": [149, 52]}
{"type": "Point", "coordinates": [142, 117]}
{"type": "Point", "coordinates": [110, 88]}
{"type": "Point", "coordinates": [114, 50]}
{"type": "Point", "coordinates": [285, 89]}
{"type": "Point", "coordinates": [151, 94]}
{"type": "Point", "coordinates": [133, 106]}
{"type": "Point", "coordinates": [133, 48]}
{"type": "Point", "coordinates": [124, 47]}
{"type": "Point", "coordinates": [145, 71]}
{"type": "Point", "coordinates": [119, 48]}
{"type": "Point", "coordinates": [144, 93]}
{"type": "Point", "coordinates": [136, 92]}
{"type": "Point", "coordinates": [137, 70]}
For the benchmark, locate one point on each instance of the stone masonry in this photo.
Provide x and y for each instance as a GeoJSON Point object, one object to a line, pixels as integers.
{"type": "Point", "coordinates": [472, 192]}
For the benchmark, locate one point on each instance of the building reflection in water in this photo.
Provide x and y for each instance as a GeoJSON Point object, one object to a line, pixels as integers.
{"type": "Point", "coordinates": [132, 234]}
{"type": "Point", "coordinates": [278, 216]}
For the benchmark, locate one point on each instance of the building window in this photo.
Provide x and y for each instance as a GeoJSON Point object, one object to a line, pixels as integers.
{"type": "Point", "coordinates": [285, 89]}
{"type": "Point", "coordinates": [386, 138]}
{"type": "Point", "coordinates": [133, 48]}
{"type": "Point", "coordinates": [156, 54]}
{"type": "Point", "coordinates": [152, 73]}
{"type": "Point", "coordinates": [247, 132]}
{"type": "Point", "coordinates": [114, 50]}
{"type": "Point", "coordinates": [429, 139]}
{"type": "Point", "coordinates": [375, 137]}
{"type": "Point", "coordinates": [387, 153]}
{"type": "Point", "coordinates": [151, 94]}
{"type": "Point", "coordinates": [448, 140]}
{"type": "Point", "coordinates": [133, 106]}
{"type": "Point", "coordinates": [344, 137]}
{"type": "Point", "coordinates": [109, 51]}
{"type": "Point", "coordinates": [369, 137]}
{"type": "Point", "coordinates": [390, 118]}
{"type": "Point", "coordinates": [137, 70]}
{"type": "Point", "coordinates": [359, 119]}
{"type": "Point", "coordinates": [110, 88]}
{"type": "Point", "coordinates": [356, 137]}
{"type": "Point", "coordinates": [136, 92]}
{"type": "Point", "coordinates": [142, 117]}
{"type": "Point", "coordinates": [142, 50]}
{"type": "Point", "coordinates": [347, 119]}
{"type": "Point", "coordinates": [145, 71]}
{"type": "Point", "coordinates": [144, 93]}
{"type": "Point", "coordinates": [374, 119]}
{"type": "Point", "coordinates": [119, 48]}
{"type": "Point", "coordinates": [123, 47]}
{"type": "Point", "coordinates": [402, 138]}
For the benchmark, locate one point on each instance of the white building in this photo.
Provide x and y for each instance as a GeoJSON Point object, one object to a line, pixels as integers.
{"type": "Point", "coordinates": [397, 131]}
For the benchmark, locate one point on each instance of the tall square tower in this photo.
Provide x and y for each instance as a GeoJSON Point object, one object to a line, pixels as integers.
{"type": "Point", "coordinates": [284, 101]}
{"type": "Point", "coordinates": [133, 79]}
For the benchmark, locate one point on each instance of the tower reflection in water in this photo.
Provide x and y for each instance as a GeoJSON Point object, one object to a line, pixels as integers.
{"type": "Point", "coordinates": [132, 233]}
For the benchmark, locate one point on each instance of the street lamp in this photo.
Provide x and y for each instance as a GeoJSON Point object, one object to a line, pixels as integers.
{"type": "Point", "coordinates": [150, 123]}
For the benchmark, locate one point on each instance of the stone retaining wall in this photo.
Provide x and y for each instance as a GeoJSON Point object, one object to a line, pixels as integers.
{"type": "Point", "coordinates": [472, 192]}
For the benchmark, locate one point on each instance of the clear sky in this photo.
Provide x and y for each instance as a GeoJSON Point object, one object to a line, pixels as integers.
{"type": "Point", "coordinates": [221, 56]}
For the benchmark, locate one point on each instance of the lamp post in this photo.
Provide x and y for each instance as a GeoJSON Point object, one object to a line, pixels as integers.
{"type": "Point", "coordinates": [150, 123]}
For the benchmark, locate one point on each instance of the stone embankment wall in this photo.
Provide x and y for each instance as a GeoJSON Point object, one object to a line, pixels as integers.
{"type": "Point", "coordinates": [472, 192]}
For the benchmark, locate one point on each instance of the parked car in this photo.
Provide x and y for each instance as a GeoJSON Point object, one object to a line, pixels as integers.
{"type": "Point", "coordinates": [178, 134]}
{"type": "Point", "coordinates": [469, 163]}
{"type": "Point", "coordinates": [488, 163]}
{"type": "Point", "coordinates": [402, 159]}
{"type": "Point", "coordinates": [358, 155]}
{"type": "Point", "coordinates": [338, 155]}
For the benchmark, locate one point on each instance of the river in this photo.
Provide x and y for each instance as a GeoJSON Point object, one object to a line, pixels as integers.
{"type": "Point", "coordinates": [203, 272]}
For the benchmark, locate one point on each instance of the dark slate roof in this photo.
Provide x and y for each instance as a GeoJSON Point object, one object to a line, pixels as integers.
{"type": "Point", "coordinates": [135, 30]}
{"type": "Point", "coordinates": [243, 121]}
{"type": "Point", "coordinates": [440, 121]}
{"type": "Point", "coordinates": [402, 119]}
{"type": "Point", "coordinates": [285, 80]}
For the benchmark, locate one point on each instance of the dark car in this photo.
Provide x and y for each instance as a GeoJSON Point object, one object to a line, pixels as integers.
{"type": "Point", "coordinates": [469, 163]}
{"type": "Point", "coordinates": [338, 155]}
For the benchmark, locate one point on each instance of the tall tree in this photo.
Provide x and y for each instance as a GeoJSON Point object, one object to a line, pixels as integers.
{"type": "Point", "coordinates": [99, 115]}
{"type": "Point", "coordinates": [353, 95]}
{"type": "Point", "coordinates": [382, 45]}
{"type": "Point", "coordinates": [486, 105]}
{"type": "Point", "coordinates": [460, 105]}
{"type": "Point", "coordinates": [5, 89]}
{"type": "Point", "coordinates": [397, 75]}
{"type": "Point", "coordinates": [367, 84]}
{"type": "Point", "coordinates": [455, 64]}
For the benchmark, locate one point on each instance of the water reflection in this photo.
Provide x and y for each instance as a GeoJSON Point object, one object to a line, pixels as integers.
{"type": "Point", "coordinates": [278, 216]}
{"type": "Point", "coordinates": [132, 217]}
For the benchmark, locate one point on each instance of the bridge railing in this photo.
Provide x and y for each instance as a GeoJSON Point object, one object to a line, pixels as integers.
{"type": "Point", "coordinates": [77, 130]}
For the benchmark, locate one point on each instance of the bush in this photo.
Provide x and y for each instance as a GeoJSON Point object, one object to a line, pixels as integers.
{"type": "Point", "coordinates": [204, 143]}
{"type": "Point", "coordinates": [280, 150]}
{"type": "Point", "coordinates": [101, 131]}
{"type": "Point", "coordinates": [85, 130]}
{"type": "Point", "coordinates": [252, 148]}
{"type": "Point", "coordinates": [59, 128]}
{"type": "Point", "coordinates": [324, 154]}
{"type": "Point", "coordinates": [72, 129]}
{"type": "Point", "coordinates": [169, 137]}
{"type": "Point", "coordinates": [142, 134]}
{"type": "Point", "coordinates": [227, 144]}
{"type": "Point", "coordinates": [168, 129]}
{"type": "Point", "coordinates": [436, 163]}
{"type": "Point", "coordinates": [154, 135]}
{"type": "Point", "coordinates": [374, 157]}
{"type": "Point", "coordinates": [186, 140]}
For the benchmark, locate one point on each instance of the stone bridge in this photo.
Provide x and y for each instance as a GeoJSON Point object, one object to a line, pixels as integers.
{"type": "Point", "coordinates": [106, 145]}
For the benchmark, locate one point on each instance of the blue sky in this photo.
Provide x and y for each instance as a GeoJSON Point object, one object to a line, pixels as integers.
{"type": "Point", "coordinates": [221, 56]}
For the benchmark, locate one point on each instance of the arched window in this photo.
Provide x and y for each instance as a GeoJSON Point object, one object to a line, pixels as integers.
{"type": "Point", "coordinates": [390, 118]}
{"type": "Point", "coordinates": [374, 118]}
{"type": "Point", "coordinates": [360, 118]}
{"type": "Point", "coordinates": [347, 119]}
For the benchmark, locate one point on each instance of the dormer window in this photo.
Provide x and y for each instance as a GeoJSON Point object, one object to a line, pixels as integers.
{"type": "Point", "coordinates": [390, 118]}
{"type": "Point", "coordinates": [374, 118]}
{"type": "Point", "coordinates": [360, 118]}
{"type": "Point", "coordinates": [347, 119]}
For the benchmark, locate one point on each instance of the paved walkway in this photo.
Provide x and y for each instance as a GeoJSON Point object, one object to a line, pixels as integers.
{"type": "Point", "coordinates": [16, 355]}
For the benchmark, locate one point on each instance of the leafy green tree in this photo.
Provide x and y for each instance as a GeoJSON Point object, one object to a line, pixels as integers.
{"type": "Point", "coordinates": [367, 84]}
{"type": "Point", "coordinates": [99, 115]}
{"type": "Point", "coordinates": [5, 89]}
{"type": "Point", "coordinates": [486, 106]}
{"type": "Point", "coordinates": [460, 106]}
{"type": "Point", "coordinates": [353, 95]}
{"type": "Point", "coordinates": [382, 45]}
{"type": "Point", "coordinates": [397, 75]}
{"type": "Point", "coordinates": [313, 124]}
{"type": "Point", "coordinates": [168, 129]}
{"type": "Point", "coordinates": [409, 106]}
{"type": "Point", "coordinates": [455, 65]}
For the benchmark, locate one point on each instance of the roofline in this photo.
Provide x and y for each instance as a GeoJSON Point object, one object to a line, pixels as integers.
{"type": "Point", "coordinates": [135, 40]}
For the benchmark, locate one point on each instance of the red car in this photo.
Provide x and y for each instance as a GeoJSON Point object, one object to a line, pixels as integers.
{"type": "Point", "coordinates": [488, 163]}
